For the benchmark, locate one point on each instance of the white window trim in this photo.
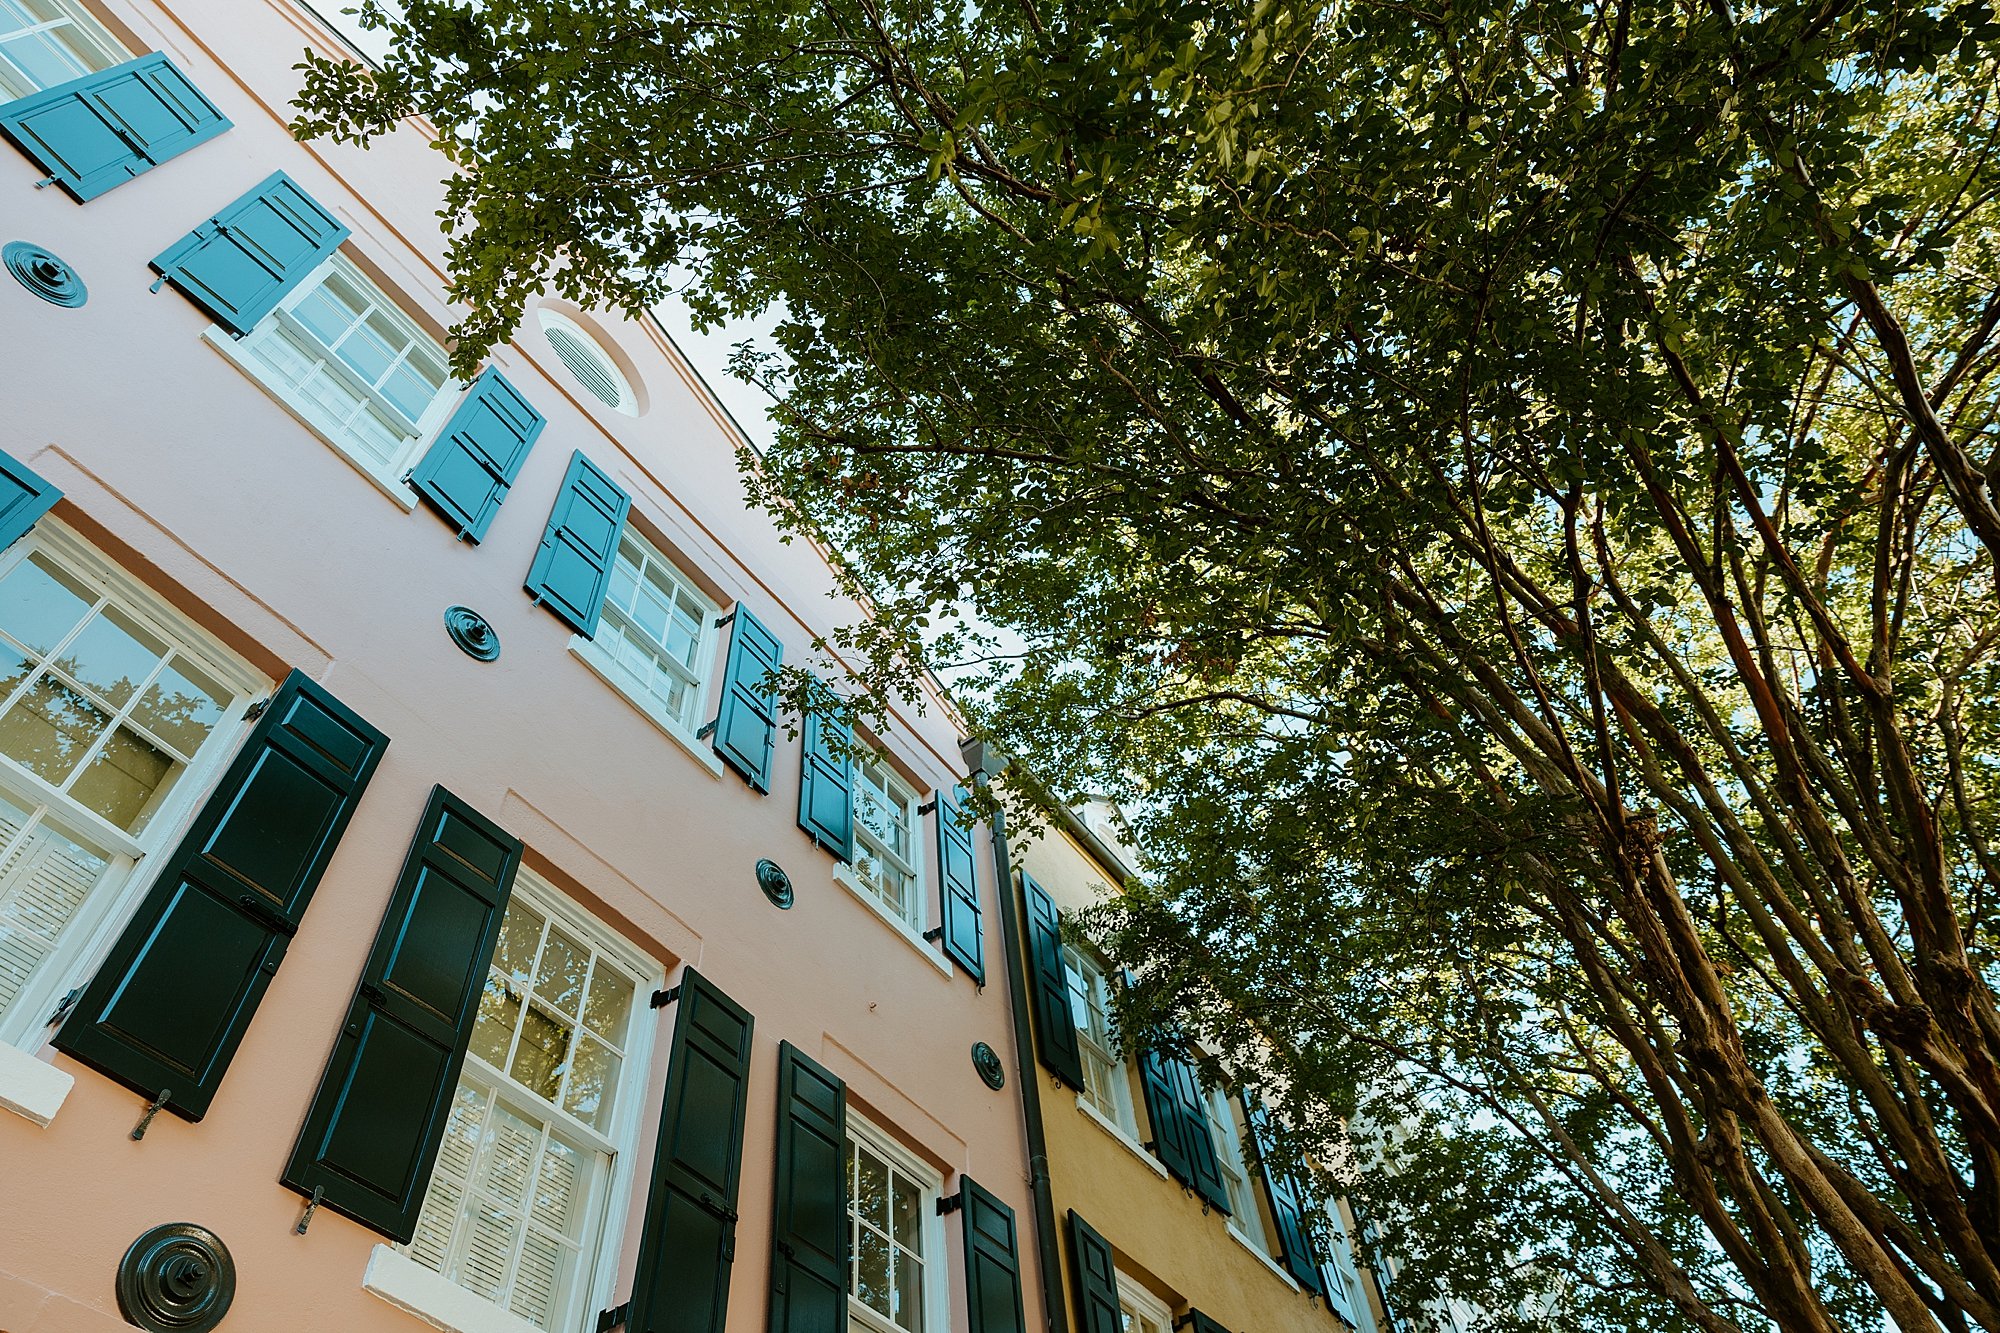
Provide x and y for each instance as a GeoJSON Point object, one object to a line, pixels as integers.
{"type": "Point", "coordinates": [441, 1302]}
{"type": "Point", "coordinates": [1269, 1261]}
{"type": "Point", "coordinates": [937, 1280]}
{"type": "Point", "coordinates": [30, 1087]}
{"type": "Point", "coordinates": [593, 657]}
{"type": "Point", "coordinates": [845, 876]}
{"type": "Point", "coordinates": [1117, 1131]}
{"type": "Point", "coordinates": [1143, 1302]}
{"type": "Point", "coordinates": [919, 881]}
{"type": "Point", "coordinates": [1120, 1066]}
{"type": "Point", "coordinates": [110, 905]}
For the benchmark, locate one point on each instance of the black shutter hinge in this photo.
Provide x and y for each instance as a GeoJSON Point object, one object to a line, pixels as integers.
{"type": "Point", "coordinates": [257, 710]}
{"type": "Point", "coordinates": [1184, 1320]}
{"type": "Point", "coordinates": [928, 806]}
{"type": "Point", "coordinates": [612, 1318]}
{"type": "Point", "coordinates": [934, 934]}
{"type": "Point", "coordinates": [312, 1206]}
{"type": "Point", "coordinates": [63, 1006]}
{"type": "Point", "coordinates": [951, 1203]}
{"type": "Point", "coordinates": [724, 620]}
{"type": "Point", "coordinates": [146, 1120]}
{"type": "Point", "coordinates": [706, 730]}
{"type": "Point", "coordinates": [662, 998]}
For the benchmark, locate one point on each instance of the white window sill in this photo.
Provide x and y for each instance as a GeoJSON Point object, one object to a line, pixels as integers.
{"type": "Point", "coordinates": [435, 1298]}
{"type": "Point", "coordinates": [1258, 1250]}
{"type": "Point", "coordinates": [1117, 1131]}
{"type": "Point", "coordinates": [392, 486]}
{"type": "Point", "coordinates": [584, 652]}
{"type": "Point", "coordinates": [32, 1088]}
{"type": "Point", "coordinates": [844, 876]}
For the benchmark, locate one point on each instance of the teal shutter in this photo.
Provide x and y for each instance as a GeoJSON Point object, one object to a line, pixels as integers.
{"type": "Point", "coordinates": [1181, 1138]}
{"type": "Point", "coordinates": [1096, 1278]}
{"type": "Point", "coordinates": [1048, 986]}
{"type": "Point", "coordinates": [469, 468]}
{"type": "Point", "coordinates": [166, 1011]}
{"type": "Point", "coordinates": [1288, 1202]}
{"type": "Point", "coordinates": [372, 1131]}
{"type": "Point", "coordinates": [24, 498]}
{"type": "Point", "coordinates": [689, 1240]}
{"type": "Point", "coordinates": [572, 567]}
{"type": "Point", "coordinates": [826, 776]}
{"type": "Point", "coordinates": [809, 1225]}
{"type": "Point", "coordinates": [240, 263]}
{"type": "Point", "coordinates": [1201, 1323]}
{"type": "Point", "coordinates": [95, 133]}
{"type": "Point", "coordinates": [748, 719]}
{"type": "Point", "coordinates": [958, 895]}
{"type": "Point", "coordinates": [992, 1262]}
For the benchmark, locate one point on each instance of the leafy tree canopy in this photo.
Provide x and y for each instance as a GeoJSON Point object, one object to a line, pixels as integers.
{"type": "Point", "coordinates": [1503, 489]}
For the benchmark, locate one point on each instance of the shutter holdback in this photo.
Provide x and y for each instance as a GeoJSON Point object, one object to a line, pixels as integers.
{"type": "Point", "coordinates": [951, 1203]}
{"type": "Point", "coordinates": [146, 1120]}
{"type": "Point", "coordinates": [312, 1206]}
{"type": "Point", "coordinates": [612, 1318]}
{"type": "Point", "coordinates": [662, 998]}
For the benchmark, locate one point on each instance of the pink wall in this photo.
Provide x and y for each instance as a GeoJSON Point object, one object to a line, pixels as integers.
{"type": "Point", "coordinates": [177, 464]}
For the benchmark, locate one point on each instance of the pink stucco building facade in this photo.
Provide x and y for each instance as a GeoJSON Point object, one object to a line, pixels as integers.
{"type": "Point", "coordinates": [233, 526]}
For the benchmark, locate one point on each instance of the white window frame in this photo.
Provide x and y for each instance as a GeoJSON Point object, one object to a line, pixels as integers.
{"type": "Point", "coordinates": [1134, 1298]}
{"type": "Point", "coordinates": [910, 926]}
{"type": "Point", "coordinates": [1227, 1127]}
{"type": "Point", "coordinates": [1090, 974]}
{"type": "Point", "coordinates": [410, 1285]}
{"type": "Point", "coordinates": [103, 42]}
{"type": "Point", "coordinates": [683, 731]}
{"type": "Point", "coordinates": [1341, 1264]}
{"type": "Point", "coordinates": [389, 476]}
{"type": "Point", "coordinates": [937, 1283]}
{"type": "Point", "coordinates": [90, 933]}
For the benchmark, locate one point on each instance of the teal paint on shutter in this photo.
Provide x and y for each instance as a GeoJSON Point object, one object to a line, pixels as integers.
{"type": "Point", "coordinates": [958, 892]}
{"type": "Point", "coordinates": [240, 263]}
{"type": "Point", "coordinates": [1095, 1278]}
{"type": "Point", "coordinates": [1048, 986]}
{"type": "Point", "coordinates": [171, 1003]}
{"type": "Point", "coordinates": [992, 1262]}
{"type": "Point", "coordinates": [572, 566]}
{"type": "Point", "coordinates": [747, 721]}
{"type": "Point", "coordinates": [1281, 1188]}
{"type": "Point", "coordinates": [826, 776]}
{"type": "Point", "coordinates": [471, 465]}
{"type": "Point", "coordinates": [95, 133]}
{"type": "Point", "coordinates": [372, 1131]}
{"type": "Point", "coordinates": [810, 1234]}
{"type": "Point", "coordinates": [24, 498]}
{"type": "Point", "coordinates": [688, 1243]}
{"type": "Point", "coordinates": [1181, 1138]}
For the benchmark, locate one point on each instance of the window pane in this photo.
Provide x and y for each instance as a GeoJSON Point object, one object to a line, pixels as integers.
{"type": "Point", "coordinates": [909, 1310]}
{"type": "Point", "coordinates": [324, 313]}
{"type": "Point", "coordinates": [124, 780]}
{"type": "Point", "coordinates": [520, 936]}
{"type": "Point", "coordinates": [592, 1076]}
{"type": "Point", "coordinates": [872, 1272]}
{"type": "Point", "coordinates": [610, 1003]}
{"type": "Point", "coordinates": [905, 1211]}
{"type": "Point", "coordinates": [49, 728]}
{"type": "Point", "coordinates": [493, 1033]}
{"type": "Point", "coordinates": [871, 1193]}
{"type": "Point", "coordinates": [39, 603]}
{"type": "Point", "coordinates": [538, 1058]}
{"type": "Point", "coordinates": [44, 879]}
{"type": "Point", "coordinates": [559, 980]}
{"type": "Point", "coordinates": [182, 706]}
{"type": "Point", "coordinates": [367, 353]}
{"type": "Point", "coordinates": [113, 656]}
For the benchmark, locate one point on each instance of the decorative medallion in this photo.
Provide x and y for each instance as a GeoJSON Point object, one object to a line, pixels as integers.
{"type": "Point", "coordinates": [469, 630]}
{"type": "Point", "coordinates": [176, 1278]}
{"type": "Point", "coordinates": [987, 1062]}
{"type": "Point", "coordinates": [775, 883]}
{"type": "Point", "coordinates": [43, 273]}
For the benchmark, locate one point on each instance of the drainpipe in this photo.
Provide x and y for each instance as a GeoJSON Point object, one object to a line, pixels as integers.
{"type": "Point", "coordinates": [983, 763]}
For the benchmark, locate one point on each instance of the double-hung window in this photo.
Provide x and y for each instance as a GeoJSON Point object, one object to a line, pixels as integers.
{"type": "Point", "coordinates": [544, 1116]}
{"type": "Point", "coordinates": [1107, 1080]}
{"type": "Point", "coordinates": [656, 639]}
{"type": "Point", "coordinates": [109, 704]}
{"type": "Point", "coordinates": [47, 42]}
{"type": "Point", "coordinates": [1139, 1310]}
{"type": "Point", "coordinates": [347, 361]}
{"type": "Point", "coordinates": [886, 859]}
{"type": "Point", "coordinates": [894, 1285]}
{"type": "Point", "coordinates": [1226, 1125]}
{"type": "Point", "coordinates": [1342, 1273]}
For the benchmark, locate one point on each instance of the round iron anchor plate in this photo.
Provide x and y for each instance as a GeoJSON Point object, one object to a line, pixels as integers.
{"type": "Point", "coordinates": [775, 883]}
{"type": "Point", "coordinates": [176, 1278]}
{"type": "Point", "coordinates": [987, 1061]}
{"type": "Point", "coordinates": [43, 273]}
{"type": "Point", "coordinates": [469, 630]}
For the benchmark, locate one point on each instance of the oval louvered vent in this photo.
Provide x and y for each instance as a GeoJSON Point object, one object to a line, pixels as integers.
{"type": "Point", "coordinates": [588, 363]}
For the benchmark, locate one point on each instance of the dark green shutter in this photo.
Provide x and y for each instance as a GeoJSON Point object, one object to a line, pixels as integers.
{"type": "Point", "coordinates": [1048, 986]}
{"type": "Point", "coordinates": [809, 1225]}
{"type": "Point", "coordinates": [573, 565]}
{"type": "Point", "coordinates": [689, 1240]}
{"type": "Point", "coordinates": [1096, 1279]}
{"type": "Point", "coordinates": [240, 263]}
{"type": "Point", "coordinates": [826, 776]}
{"type": "Point", "coordinates": [97, 132]}
{"type": "Point", "coordinates": [748, 720]}
{"type": "Point", "coordinates": [169, 1006]}
{"type": "Point", "coordinates": [1295, 1243]}
{"type": "Point", "coordinates": [24, 498]}
{"type": "Point", "coordinates": [470, 466]}
{"type": "Point", "coordinates": [1181, 1138]}
{"type": "Point", "coordinates": [958, 895]}
{"type": "Point", "coordinates": [992, 1262]}
{"type": "Point", "coordinates": [1201, 1323]}
{"type": "Point", "coordinates": [372, 1132]}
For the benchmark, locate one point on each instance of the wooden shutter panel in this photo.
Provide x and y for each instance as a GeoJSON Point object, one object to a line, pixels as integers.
{"type": "Point", "coordinates": [1048, 987]}
{"type": "Point", "coordinates": [467, 471]}
{"type": "Point", "coordinates": [1096, 1279]}
{"type": "Point", "coordinates": [748, 719]}
{"type": "Point", "coordinates": [95, 133]}
{"type": "Point", "coordinates": [169, 1006]}
{"type": "Point", "coordinates": [572, 567]}
{"type": "Point", "coordinates": [689, 1241]}
{"type": "Point", "coordinates": [1201, 1323]}
{"type": "Point", "coordinates": [240, 263]}
{"type": "Point", "coordinates": [809, 1226]}
{"type": "Point", "coordinates": [24, 498]}
{"type": "Point", "coordinates": [1295, 1243]}
{"type": "Point", "coordinates": [372, 1131]}
{"type": "Point", "coordinates": [992, 1262]}
{"type": "Point", "coordinates": [1181, 1137]}
{"type": "Point", "coordinates": [958, 893]}
{"type": "Point", "coordinates": [1204, 1166]}
{"type": "Point", "coordinates": [826, 777]}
